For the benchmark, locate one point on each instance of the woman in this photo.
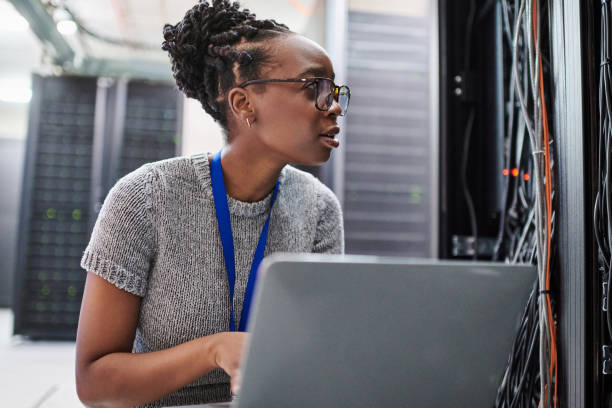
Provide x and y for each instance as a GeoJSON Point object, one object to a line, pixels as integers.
{"type": "Point", "coordinates": [171, 248]}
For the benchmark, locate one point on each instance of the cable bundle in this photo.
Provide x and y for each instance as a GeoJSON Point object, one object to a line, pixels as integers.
{"type": "Point", "coordinates": [602, 218]}
{"type": "Point", "coordinates": [527, 224]}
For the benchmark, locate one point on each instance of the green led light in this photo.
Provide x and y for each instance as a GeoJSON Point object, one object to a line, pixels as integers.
{"type": "Point", "coordinates": [45, 291]}
{"type": "Point", "coordinates": [50, 213]}
{"type": "Point", "coordinates": [175, 139]}
{"type": "Point", "coordinates": [71, 291]}
{"type": "Point", "coordinates": [76, 214]}
{"type": "Point", "coordinates": [415, 194]}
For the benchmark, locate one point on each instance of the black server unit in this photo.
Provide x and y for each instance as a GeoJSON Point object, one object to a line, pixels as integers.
{"type": "Point", "coordinates": [471, 129]}
{"type": "Point", "coordinates": [596, 19]}
{"type": "Point", "coordinates": [151, 129]}
{"type": "Point", "coordinates": [83, 134]}
{"type": "Point", "coordinates": [54, 207]}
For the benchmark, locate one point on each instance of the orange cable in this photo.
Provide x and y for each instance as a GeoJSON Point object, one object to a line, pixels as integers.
{"type": "Point", "coordinates": [553, 347]}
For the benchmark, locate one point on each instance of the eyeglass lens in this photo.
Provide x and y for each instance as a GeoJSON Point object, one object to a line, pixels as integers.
{"type": "Point", "coordinates": [325, 95]}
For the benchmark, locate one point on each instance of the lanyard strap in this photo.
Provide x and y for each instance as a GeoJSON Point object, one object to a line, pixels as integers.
{"type": "Point", "coordinates": [227, 240]}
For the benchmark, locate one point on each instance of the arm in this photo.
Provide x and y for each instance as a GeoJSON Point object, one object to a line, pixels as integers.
{"type": "Point", "coordinates": [118, 259]}
{"type": "Point", "coordinates": [109, 375]}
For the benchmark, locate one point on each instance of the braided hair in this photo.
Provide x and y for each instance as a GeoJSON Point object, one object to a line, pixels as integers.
{"type": "Point", "coordinates": [203, 54]}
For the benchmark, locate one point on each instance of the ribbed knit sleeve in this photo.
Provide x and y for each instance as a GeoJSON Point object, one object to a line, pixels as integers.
{"type": "Point", "coordinates": [121, 248]}
{"type": "Point", "coordinates": [329, 237]}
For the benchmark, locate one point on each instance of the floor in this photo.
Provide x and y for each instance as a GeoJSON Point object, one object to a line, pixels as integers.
{"type": "Point", "coordinates": [35, 374]}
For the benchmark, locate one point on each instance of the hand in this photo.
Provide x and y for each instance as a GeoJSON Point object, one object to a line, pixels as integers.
{"type": "Point", "coordinates": [227, 349]}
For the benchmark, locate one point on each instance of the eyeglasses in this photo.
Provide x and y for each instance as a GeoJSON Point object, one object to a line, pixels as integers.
{"type": "Point", "coordinates": [326, 91]}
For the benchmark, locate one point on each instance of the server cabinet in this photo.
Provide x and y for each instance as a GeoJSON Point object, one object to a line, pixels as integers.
{"type": "Point", "coordinates": [389, 161]}
{"type": "Point", "coordinates": [83, 134]}
{"type": "Point", "coordinates": [54, 211]}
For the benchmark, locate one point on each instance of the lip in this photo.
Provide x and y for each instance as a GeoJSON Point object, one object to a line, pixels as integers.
{"type": "Point", "coordinates": [329, 141]}
{"type": "Point", "coordinates": [331, 133]}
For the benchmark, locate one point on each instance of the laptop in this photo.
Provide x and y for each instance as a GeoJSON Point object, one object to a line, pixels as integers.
{"type": "Point", "coordinates": [361, 331]}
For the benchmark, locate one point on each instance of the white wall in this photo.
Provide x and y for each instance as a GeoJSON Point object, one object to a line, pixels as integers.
{"type": "Point", "coordinates": [13, 120]}
{"type": "Point", "coordinates": [21, 54]}
{"type": "Point", "coordinates": [200, 132]}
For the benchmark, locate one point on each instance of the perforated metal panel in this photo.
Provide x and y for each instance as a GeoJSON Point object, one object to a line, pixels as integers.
{"type": "Point", "coordinates": [75, 125]}
{"type": "Point", "coordinates": [387, 196]}
{"type": "Point", "coordinates": [152, 128]}
{"type": "Point", "coordinates": [54, 212]}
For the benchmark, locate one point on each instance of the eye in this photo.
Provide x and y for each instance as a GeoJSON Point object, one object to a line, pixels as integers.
{"type": "Point", "coordinates": [309, 85]}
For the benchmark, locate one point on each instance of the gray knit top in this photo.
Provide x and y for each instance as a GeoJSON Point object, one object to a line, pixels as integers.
{"type": "Point", "coordinates": [157, 237]}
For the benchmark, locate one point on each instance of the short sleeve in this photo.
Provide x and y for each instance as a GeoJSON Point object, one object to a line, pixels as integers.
{"type": "Point", "coordinates": [329, 237]}
{"type": "Point", "coordinates": [121, 248]}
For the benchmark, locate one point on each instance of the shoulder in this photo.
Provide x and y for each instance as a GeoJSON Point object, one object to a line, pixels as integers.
{"type": "Point", "coordinates": [169, 174]}
{"type": "Point", "coordinates": [133, 188]}
{"type": "Point", "coordinates": [175, 168]}
{"type": "Point", "coordinates": [139, 186]}
{"type": "Point", "coordinates": [313, 196]}
{"type": "Point", "coordinates": [309, 189]}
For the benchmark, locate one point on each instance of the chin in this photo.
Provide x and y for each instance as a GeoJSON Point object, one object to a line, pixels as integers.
{"type": "Point", "coordinates": [317, 159]}
{"type": "Point", "coordinates": [325, 157]}
{"type": "Point", "coordinates": [310, 157]}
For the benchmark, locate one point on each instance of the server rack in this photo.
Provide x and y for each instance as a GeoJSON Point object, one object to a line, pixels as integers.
{"type": "Point", "coordinates": [573, 30]}
{"type": "Point", "coordinates": [83, 134]}
{"type": "Point", "coordinates": [387, 188]}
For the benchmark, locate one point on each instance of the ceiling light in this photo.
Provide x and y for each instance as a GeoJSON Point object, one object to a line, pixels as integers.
{"type": "Point", "coordinates": [67, 27]}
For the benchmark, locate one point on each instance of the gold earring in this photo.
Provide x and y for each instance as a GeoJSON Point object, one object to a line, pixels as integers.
{"type": "Point", "coordinates": [248, 123]}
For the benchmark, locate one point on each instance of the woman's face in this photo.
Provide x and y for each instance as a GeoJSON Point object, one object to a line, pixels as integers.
{"type": "Point", "coordinates": [287, 122]}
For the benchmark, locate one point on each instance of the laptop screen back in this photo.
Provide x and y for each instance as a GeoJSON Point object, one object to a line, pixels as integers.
{"type": "Point", "coordinates": [335, 331]}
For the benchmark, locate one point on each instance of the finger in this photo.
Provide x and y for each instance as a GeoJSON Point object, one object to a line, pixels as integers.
{"type": "Point", "coordinates": [235, 383]}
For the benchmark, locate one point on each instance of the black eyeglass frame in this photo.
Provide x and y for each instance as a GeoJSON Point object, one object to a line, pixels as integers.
{"type": "Point", "coordinates": [335, 89]}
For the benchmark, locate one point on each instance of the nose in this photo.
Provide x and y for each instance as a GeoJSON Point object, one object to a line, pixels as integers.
{"type": "Point", "coordinates": [335, 109]}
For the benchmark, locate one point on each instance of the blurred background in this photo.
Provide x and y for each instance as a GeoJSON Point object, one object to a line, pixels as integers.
{"type": "Point", "coordinates": [86, 96]}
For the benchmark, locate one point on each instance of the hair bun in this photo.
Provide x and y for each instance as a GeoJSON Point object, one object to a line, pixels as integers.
{"type": "Point", "coordinates": [202, 53]}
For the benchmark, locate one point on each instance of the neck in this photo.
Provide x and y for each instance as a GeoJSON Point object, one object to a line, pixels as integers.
{"type": "Point", "coordinates": [249, 175]}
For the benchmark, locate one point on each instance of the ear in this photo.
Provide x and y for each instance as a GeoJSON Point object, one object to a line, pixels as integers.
{"type": "Point", "coordinates": [240, 103]}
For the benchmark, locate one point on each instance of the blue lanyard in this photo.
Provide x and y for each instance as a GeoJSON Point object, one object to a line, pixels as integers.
{"type": "Point", "coordinates": [227, 240]}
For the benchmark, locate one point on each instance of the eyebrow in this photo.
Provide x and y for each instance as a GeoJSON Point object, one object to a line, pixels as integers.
{"type": "Point", "coordinates": [318, 72]}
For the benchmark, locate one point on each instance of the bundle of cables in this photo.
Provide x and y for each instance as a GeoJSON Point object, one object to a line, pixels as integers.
{"type": "Point", "coordinates": [527, 223]}
{"type": "Point", "coordinates": [603, 201]}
